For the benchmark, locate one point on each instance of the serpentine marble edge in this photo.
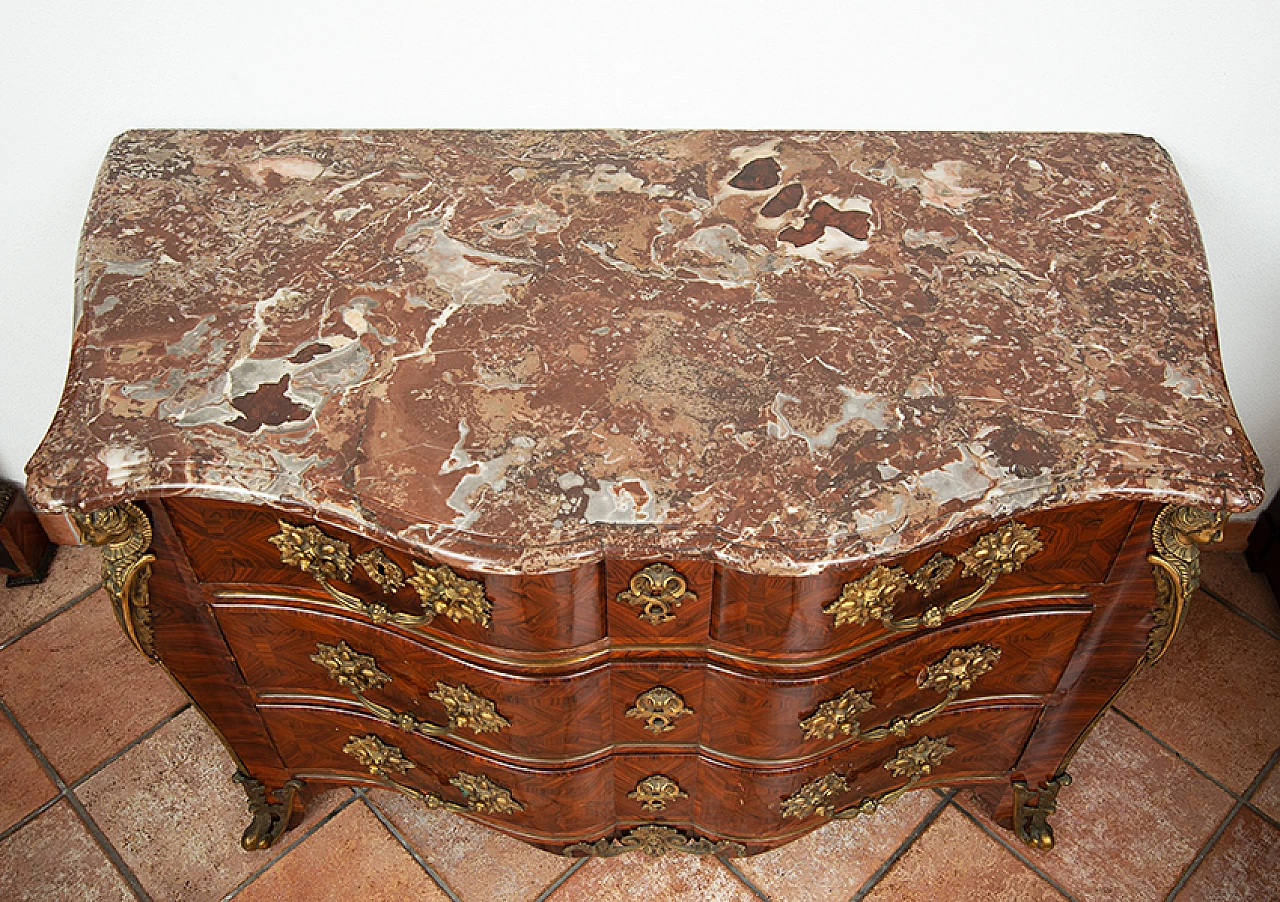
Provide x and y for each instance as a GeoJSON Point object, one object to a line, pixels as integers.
{"type": "Point", "coordinates": [523, 350]}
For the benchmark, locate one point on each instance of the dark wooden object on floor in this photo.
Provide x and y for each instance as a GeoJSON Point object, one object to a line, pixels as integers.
{"type": "Point", "coordinates": [25, 550]}
{"type": "Point", "coordinates": [1263, 552]}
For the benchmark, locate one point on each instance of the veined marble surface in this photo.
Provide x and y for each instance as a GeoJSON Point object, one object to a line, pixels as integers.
{"type": "Point", "coordinates": [523, 350]}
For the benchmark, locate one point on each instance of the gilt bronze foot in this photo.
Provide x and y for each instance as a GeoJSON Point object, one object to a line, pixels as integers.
{"type": "Point", "coordinates": [269, 819]}
{"type": "Point", "coordinates": [1031, 818]}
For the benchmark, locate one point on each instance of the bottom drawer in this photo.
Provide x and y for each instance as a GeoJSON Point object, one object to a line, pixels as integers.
{"type": "Point", "coordinates": [756, 806]}
{"type": "Point", "coordinates": [963, 744]}
{"type": "Point", "coordinates": [326, 744]}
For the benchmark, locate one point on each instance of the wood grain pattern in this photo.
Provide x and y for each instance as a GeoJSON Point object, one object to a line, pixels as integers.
{"type": "Point", "coordinates": [552, 715]}
{"type": "Point", "coordinates": [630, 681]}
{"type": "Point", "coordinates": [724, 801]}
{"type": "Point", "coordinates": [689, 621]}
{"type": "Point", "coordinates": [785, 616]}
{"type": "Point", "coordinates": [25, 551]}
{"type": "Point", "coordinates": [563, 801]}
{"type": "Point", "coordinates": [227, 545]}
{"type": "Point", "coordinates": [190, 644]}
{"type": "Point", "coordinates": [759, 717]}
{"type": "Point", "coordinates": [746, 803]}
{"type": "Point", "coordinates": [630, 768]}
{"type": "Point", "coordinates": [1108, 654]}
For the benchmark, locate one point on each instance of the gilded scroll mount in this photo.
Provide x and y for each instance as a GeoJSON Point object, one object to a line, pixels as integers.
{"type": "Point", "coordinates": [655, 840]}
{"type": "Point", "coordinates": [1032, 808]}
{"type": "Point", "coordinates": [348, 668]}
{"type": "Point", "coordinates": [819, 797]}
{"type": "Point", "coordinates": [1178, 533]}
{"type": "Point", "coordinates": [656, 791]}
{"type": "Point", "coordinates": [382, 570]}
{"type": "Point", "coordinates": [956, 672]}
{"type": "Point", "coordinates": [444, 592]}
{"type": "Point", "coordinates": [360, 673]}
{"type": "Point", "coordinates": [658, 589]}
{"type": "Point", "coordinates": [659, 708]}
{"type": "Point", "coordinates": [124, 534]}
{"type": "Point", "coordinates": [268, 819]}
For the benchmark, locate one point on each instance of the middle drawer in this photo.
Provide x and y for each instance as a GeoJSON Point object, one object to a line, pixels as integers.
{"type": "Point", "coordinates": [778, 713]}
{"type": "Point", "coordinates": [295, 652]}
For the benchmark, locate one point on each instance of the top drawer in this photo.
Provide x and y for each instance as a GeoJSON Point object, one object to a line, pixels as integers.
{"type": "Point", "coordinates": [1018, 562]}
{"type": "Point", "coordinates": [238, 545]}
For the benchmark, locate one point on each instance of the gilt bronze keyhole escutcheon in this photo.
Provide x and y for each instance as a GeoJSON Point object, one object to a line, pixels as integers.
{"type": "Point", "coordinates": [658, 589]}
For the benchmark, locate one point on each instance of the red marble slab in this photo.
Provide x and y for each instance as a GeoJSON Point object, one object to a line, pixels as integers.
{"type": "Point", "coordinates": [523, 350]}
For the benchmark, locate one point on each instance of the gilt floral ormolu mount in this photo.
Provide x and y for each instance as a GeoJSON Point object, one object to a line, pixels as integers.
{"type": "Point", "coordinates": [658, 492]}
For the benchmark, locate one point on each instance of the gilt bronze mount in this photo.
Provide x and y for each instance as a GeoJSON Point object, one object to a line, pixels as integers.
{"type": "Point", "coordinates": [440, 590]}
{"type": "Point", "coordinates": [873, 596]}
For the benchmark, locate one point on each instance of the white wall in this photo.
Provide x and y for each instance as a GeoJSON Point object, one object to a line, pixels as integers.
{"type": "Point", "coordinates": [1202, 78]}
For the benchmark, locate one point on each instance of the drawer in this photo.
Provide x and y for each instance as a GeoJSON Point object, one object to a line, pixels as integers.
{"type": "Point", "coordinates": [327, 744]}
{"type": "Point", "coordinates": [658, 703]}
{"type": "Point", "coordinates": [968, 743]}
{"type": "Point", "coordinates": [1016, 563]}
{"type": "Point", "coordinates": [235, 545]}
{"type": "Point", "coordinates": [658, 602]}
{"type": "Point", "coordinates": [910, 682]}
{"type": "Point", "coordinates": [651, 788]}
{"type": "Point", "coordinates": [284, 651]}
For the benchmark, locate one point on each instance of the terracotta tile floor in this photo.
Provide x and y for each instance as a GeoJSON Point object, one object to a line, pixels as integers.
{"type": "Point", "coordinates": [115, 788]}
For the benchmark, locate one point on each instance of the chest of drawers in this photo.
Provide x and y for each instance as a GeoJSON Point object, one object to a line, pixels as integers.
{"type": "Point", "coordinates": [673, 491]}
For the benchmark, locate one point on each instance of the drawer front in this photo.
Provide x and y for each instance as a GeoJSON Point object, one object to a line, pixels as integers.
{"type": "Point", "coordinates": [286, 651]}
{"type": "Point", "coordinates": [963, 744]}
{"type": "Point", "coordinates": [658, 602]}
{"type": "Point", "coordinates": [237, 545]}
{"type": "Point", "coordinates": [904, 685]}
{"type": "Point", "coordinates": [655, 788]}
{"type": "Point", "coordinates": [695, 793]}
{"type": "Point", "coordinates": [658, 704]}
{"type": "Point", "coordinates": [321, 743]}
{"type": "Point", "coordinates": [1012, 564]}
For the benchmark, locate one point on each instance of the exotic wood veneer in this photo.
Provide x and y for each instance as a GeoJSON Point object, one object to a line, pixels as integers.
{"type": "Point", "coordinates": [646, 491]}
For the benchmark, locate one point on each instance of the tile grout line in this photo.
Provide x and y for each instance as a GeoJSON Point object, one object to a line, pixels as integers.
{"type": "Point", "coordinates": [289, 847]}
{"type": "Point", "coordinates": [1270, 819]}
{"type": "Point", "coordinates": [1241, 802]}
{"type": "Point", "coordinates": [1013, 850]}
{"type": "Point", "coordinates": [1240, 612]}
{"type": "Point", "coordinates": [64, 792]}
{"type": "Point", "coordinates": [30, 816]}
{"type": "Point", "coordinates": [1272, 765]}
{"type": "Point", "coordinates": [743, 878]}
{"type": "Point", "coordinates": [133, 743]}
{"type": "Point", "coordinates": [896, 855]}
{"type": "Point", "coordinates": [560, 881]}
{"type": "Point", "coordinates": [112, 853]}
{"type": "Point", "coordinates": [1181, 757]}
{"type": "Point", "coordinates": [58, 782]}
{"type": "Point", "coordinates": [1204, 851]}
{"type": "Point", "coordinates": [66, 606]}
{"type": "Point", "coordinates": [413, 853]}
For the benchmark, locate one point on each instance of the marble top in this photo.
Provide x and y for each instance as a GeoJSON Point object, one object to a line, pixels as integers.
{"type": "Point", "coordinates": [526, 350]}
